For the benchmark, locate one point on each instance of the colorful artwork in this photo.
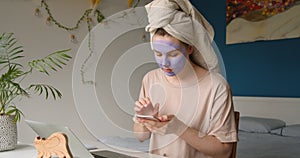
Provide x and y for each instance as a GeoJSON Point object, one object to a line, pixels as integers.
{"type": "Point", "coordinates": [252, 20]}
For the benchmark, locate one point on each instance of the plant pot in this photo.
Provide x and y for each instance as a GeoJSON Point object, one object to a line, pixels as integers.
{"type": "Point", "coordinates": [8, 133]}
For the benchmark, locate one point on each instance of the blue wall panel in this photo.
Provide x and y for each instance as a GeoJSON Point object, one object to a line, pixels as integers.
{"type": "Point", "coordinates": [263, 68]}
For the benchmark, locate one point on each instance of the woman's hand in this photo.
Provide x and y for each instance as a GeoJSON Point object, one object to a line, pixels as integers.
{"type": "Point", "coordinates": [144, 107]}
{"type": "Point", "coordinates": [168, 124]}
{"type": "Point", "coordinates": [159, 127]}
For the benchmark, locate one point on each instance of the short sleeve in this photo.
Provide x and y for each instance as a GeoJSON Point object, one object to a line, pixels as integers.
{"type": "Point", "coordinates": [222, 122]}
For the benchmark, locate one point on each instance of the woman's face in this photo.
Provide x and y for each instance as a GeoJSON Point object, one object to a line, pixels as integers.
{"type": "Point", "coordinates": [169, 54]}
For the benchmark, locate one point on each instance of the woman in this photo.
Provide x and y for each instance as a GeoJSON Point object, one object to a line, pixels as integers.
{"type": "Point", "coordinates": [191, 100]}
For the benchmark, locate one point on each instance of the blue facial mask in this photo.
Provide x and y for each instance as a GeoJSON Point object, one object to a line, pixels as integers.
{"type": "Point", "coordinates": [169, 56]}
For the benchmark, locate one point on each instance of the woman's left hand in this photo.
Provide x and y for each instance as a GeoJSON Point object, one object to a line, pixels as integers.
{"type": "Point", "coordinates": [157, 126]}
{"type": "Point", "coordinates": [168, 124]}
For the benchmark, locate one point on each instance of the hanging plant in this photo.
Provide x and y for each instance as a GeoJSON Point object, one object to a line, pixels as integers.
{"type": "Point", "coordinates": [88, 17]}
{"type": "Point", "coordinates": [85, 17]}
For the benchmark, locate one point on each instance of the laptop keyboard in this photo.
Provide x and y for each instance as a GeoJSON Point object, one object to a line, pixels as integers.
{"type": "Point", "coordinates": [109, 154]}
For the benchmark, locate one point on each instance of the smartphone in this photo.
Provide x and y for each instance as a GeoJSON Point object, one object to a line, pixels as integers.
{"type": "Point", "coordinates": [147, 110]}
{"type": "Point", "coordinates": [149, 117]}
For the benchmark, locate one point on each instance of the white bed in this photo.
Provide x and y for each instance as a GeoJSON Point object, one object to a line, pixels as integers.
{"type": "Point", "coordinates": [262, 145]}
{"type": "Point", "coordinates": [259, 138]}
{"type": "Point", "coordinates": [267, 138]}
{"type": "Point", "coordinates": [269, 128]}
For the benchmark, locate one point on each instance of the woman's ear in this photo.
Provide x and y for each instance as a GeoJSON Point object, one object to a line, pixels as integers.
{"type": "Point", "coordinates": [190, 49]}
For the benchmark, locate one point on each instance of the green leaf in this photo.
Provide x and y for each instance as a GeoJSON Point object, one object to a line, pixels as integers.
{"type": "Point", "coordinates": [13, 73]}
{"type": "Point", "coordinates": [37, 65]}
{"type": "Point", "coordinates": [9, 49]}
{"type": "Point", "coordinates": [16, 50]}
{"type": "Point", "coordinates": [52, 61]}
{"type": "Point", "coordinates": [16, 112]}
{"type": "Point", "coordinates": [50, 66]}
{"type": "Point", "coordinates": [41, 88]}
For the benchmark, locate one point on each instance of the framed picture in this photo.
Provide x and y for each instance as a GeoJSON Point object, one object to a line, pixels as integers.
{"type": "Point", "coordinates": [255, 20]}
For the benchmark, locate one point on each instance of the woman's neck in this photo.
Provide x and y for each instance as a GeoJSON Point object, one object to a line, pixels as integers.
{"type": "Point", "coordinates": [190, 74]}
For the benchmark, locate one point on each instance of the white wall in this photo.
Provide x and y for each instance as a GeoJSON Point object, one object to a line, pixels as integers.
{"type": "Point", "coordinates": [40, 39]}
{"type": "Point", "coordinates": [286, 109]}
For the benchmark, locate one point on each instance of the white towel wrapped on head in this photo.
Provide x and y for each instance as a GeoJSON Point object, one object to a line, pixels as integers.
{"type": "Point", "coordinates": [181, 20]}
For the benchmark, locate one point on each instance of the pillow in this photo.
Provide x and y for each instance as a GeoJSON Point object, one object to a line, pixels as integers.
{"type": "Point", "coordinates": [291, 130]}
{"type": "Point", "coordinates": [259, 125]}
{"type": "Point", "coordinates": [277, 131]}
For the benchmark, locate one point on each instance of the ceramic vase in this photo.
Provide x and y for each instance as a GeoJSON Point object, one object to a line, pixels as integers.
{"type": "Point", "coordinates": [8, 133]}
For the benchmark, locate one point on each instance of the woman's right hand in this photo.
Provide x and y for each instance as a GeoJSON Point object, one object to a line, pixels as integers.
{"type": "Point", "coordinates": [144, 107]}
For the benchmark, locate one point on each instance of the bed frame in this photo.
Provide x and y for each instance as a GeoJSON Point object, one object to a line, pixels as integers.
{"type": "Point", "coordinates": [286, 109]}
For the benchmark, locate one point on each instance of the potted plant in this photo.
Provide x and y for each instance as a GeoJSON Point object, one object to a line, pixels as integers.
{"type": "Point", "coordinates": [11, 87]}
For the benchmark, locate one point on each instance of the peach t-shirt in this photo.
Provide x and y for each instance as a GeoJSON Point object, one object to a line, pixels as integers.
{"type": "Point", "coordinates": [205, 106]}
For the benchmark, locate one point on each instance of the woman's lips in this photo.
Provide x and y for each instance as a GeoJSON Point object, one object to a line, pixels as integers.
{"type": "Point", "coordinates": [167, 70]}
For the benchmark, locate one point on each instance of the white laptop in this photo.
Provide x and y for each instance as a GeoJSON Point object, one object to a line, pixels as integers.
{"type": "Point", "coordinates": [78, 150]}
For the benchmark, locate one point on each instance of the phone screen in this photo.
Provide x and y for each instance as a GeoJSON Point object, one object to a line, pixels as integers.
{"type": "Point", "coordinates": [148, 110]}
{"type": "Point", "coordinates": [149, 117]}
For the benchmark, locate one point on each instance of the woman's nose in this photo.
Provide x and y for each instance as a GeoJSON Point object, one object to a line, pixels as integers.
{"type": "Point", "coordinates": [165, 62]}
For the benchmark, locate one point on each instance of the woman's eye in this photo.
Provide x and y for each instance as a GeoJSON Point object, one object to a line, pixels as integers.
{"type": "Point", "coordinates": [158, 54]}
{"type": "Point", "coordinates": [173, 54]}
